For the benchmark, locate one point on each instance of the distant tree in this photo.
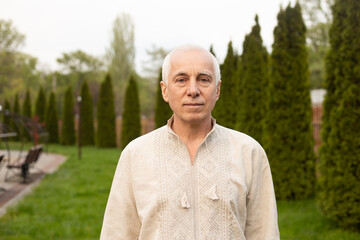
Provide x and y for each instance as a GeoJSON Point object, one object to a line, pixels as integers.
{"type": "Point", "coordinates": [226, 106]}
{"type": "Point", "coordinates": [16, 110]}
{"type": "Point", "coordinates": [288, 136]}
{"type": "Point", "coordinates": [6, 118]}
{"type": "Point", "coordinates": [211, 50]}
{"type": "Point", "coordinates": [317, 15]}
{"type": "Point", "coordinates": [27, 105]}
{"type": "Point", "coordinates": [67, 130]}
{"type": "Point", "coordinates": [87, 116]}
{"type": "Point", "coordinates": [152, 65]}
{"type": "Point", "coordinates": [121, 55]}
{"type": "Point", "coordinates": [40, 105]}
{"type": "Point", "coordinates": [106, 136]}
{"type": "Point", "coordinates": [51, 119]}
{"type": "Point", "coordinates": [339, 182]}
{"type": "Point", "coordinates": [162, 109]}
{"type": "Point", "coordinates": [18, 71]}
{"type": "Point", "coordinates": [79, 66]}
{"type": "Point", "coordinates": [16, 104]}
{"type": "Point", "coordinates": [253, 84]}
{"type": "Point", "coordinates": [131, 122]}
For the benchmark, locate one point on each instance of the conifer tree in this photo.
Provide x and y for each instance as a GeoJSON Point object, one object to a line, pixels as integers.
{"type": "Point", "coordinates": [27, 113]}
{"type": "Point", "coordinates": [226, 107]}
{"type": "Point", "coordinates": [16, 104]}
{"type": "Point", "coordinates": [51, 120]}
{"type": "Point", "coordinates": [16, 110]}
{"type": "Point", "coordinates": [27, 105]}
{"type": "Point", "coordinates": [211, 50]}
{"type": "Point", "coordinates": [131, 122]}
{"type": "Point", "coordinates": [67, 130]}
{"type": "Point", "coordinates": [162, 109]}
{"type": "Point", "coordinates": [106, 136]}
{"type": "Point", "coordinates": [252, 99]}
{"type": "Point", "coordinates": [87, 116]}
{"type": "Point", "coordinates": [339, 183]}
{"type": "Point", "coordinates": [6, 118]}
{"type": "Point", "coordinates": [40, 105]}
{"type": "Point", "coordinates": [288, 136]}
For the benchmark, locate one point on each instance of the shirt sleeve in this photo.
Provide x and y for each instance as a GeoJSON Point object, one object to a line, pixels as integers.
{"type": "Point", "coordinates": [261, 221]}
{"type": "Point", "coordinates": [121, 220]}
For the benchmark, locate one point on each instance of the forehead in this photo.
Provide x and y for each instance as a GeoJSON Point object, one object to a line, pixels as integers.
{"type": "Point", "coordinates": [191, 60]}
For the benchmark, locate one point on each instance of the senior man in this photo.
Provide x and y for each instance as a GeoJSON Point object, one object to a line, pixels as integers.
{"type": "Point", "coordinates": [192, 179]}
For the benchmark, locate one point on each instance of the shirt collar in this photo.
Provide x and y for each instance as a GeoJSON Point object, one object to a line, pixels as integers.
{"type": "Point", "coordinates": [206, 139]}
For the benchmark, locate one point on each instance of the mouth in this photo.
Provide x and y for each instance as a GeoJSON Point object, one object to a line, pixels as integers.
{"type": "Point", "coordinates": [193, 104]}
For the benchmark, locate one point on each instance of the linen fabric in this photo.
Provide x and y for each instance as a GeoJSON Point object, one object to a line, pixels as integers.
{"type": "Point", "coordinates": [157, 193]}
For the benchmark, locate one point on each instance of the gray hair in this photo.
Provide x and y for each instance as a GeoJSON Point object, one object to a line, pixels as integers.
{"type": "Point", "coordinates": [188, 47]}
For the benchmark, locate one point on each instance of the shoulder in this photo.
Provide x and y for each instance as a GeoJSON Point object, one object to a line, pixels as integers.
{"type": "Point", "coordinates": [238, 138]}
{"type": "Point", "coordinates": [146, 140]}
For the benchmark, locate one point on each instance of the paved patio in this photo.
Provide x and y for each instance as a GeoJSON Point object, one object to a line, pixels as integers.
{"type": "Point", "coordinates": [14, 189]}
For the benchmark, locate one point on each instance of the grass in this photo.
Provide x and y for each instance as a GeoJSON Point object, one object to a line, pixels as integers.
{"type": "Point", "coordinates": [70, 204]}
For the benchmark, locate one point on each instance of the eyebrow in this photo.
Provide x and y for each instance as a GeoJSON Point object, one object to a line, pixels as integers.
{"type": "Point", "coordinates": [198, 75]}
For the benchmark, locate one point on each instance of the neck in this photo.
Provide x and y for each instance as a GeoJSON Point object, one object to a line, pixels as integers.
{"type": "Point", "coordinates": [191, 131]}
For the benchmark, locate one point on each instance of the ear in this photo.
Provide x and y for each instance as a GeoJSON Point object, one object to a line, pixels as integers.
{"type": "Point", "coordinates": [164, 91]}
{"type": "Point", "coordinates": [218, 90]}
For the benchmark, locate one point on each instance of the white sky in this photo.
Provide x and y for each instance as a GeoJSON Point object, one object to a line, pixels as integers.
{"type": "Point", "coordinates": [52, 27]}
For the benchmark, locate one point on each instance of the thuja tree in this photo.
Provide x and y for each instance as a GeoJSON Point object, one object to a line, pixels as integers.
{"type": "Point", "coordinates": [40, 105]}
{"type": "Point", "coordinates": [162, 109]}
{"type": "Point", "coordinates": [27, 105]}
{"type": "Point", "coordinates": [288, 131]}
{"type": "Point", "coordinates": [131, 123]}
{"type": "Point", "coordinates": [16, 110]}
{"type": "Point", "coordinates": [87, 116]}
{"type": "Point", "coordinates": [106, 136]}
{"type": "Point", "coordinates": [226, 106]}
{"type": "Point", "coordinates": [27, 112]}
{"type": "Point", "coordinates": [51, 120]}
{"type": "Point", "coordinates": [252, 100]}
{"type": "Point", "coordinates": [67, 130]}
{"type": "Point", "coordinates": [6, 118]}
{"type": "Point", "coordinates": [339, 183]}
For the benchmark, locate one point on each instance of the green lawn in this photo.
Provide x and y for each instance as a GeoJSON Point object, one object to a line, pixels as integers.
{"type": "Point", "coordinates": [70, 204]}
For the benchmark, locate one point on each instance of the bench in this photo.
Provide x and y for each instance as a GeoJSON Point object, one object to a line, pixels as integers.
{"type": "Point", "coordinates": [24, 165]}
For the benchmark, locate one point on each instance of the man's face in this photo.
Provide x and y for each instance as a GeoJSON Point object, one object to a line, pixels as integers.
{"type": "Point", "coordinates": [191, 90]}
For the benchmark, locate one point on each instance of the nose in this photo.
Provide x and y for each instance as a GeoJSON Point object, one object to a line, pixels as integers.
{"type": "Point", "coordinates": [193, 90]}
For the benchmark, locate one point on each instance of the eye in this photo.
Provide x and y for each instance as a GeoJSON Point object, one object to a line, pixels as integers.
{"type": "Point", "coordinates": [204, 81]}
{"type": "Point", "coordinates": [180, 81]}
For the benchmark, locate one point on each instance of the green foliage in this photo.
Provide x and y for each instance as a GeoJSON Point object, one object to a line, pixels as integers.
{"type": "Point", "coordinates": [226, 106]}
{"type": "Point", "coordinates": [51, 120]}
{"type": "Point", "coordinates": [121, 55]}
{"type": "Point", "coordinates": [16, 104]}
{"type": "Point", "coordinates": [67, 130]}
{"type": "Point", "coordinates": [131, 122]}
{"type": "Point", "coordinates": [106, 136]}
{"type": "Point", "coordinates": [27, 105]}
{"type": "Point", "coordinates": [252, 100]}
{"type": "Point", "coordinates": [317, 14]}
{"type": "Point", "coordinates": [16, 110]}
{"type": "Point", "coordinates": [162, 109]}
{"type": "Point", "coordinates": [303, 220]}
{"type": "Point", "coordinates": [339, 183]}
{"type": "Point", "coordinates": [87, 116]}
{"type": "Point", "coordinates": [288, 136]}
{"type": "Point", "coordinates": [79, 66]}
{"type": "Point", "coordinates": [18, 71]}
{"type": "Point", "coordinates": [6, 119]}
{"type": "Point", "coordinates": [40, 105]}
